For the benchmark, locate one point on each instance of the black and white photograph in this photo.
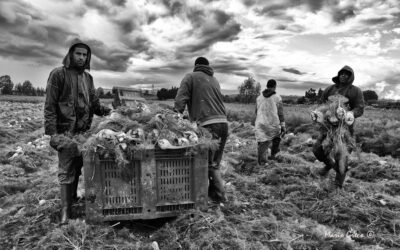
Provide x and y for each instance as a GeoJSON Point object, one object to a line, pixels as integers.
{"type": "Point", "coordinates": [200, 124]}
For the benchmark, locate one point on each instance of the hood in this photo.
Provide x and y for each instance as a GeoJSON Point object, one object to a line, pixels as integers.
{"type": "Point", "coordinates": [68, 58]}
{"type": "Point", "coordinates": [268, 92]}
{"type": "Point", "coordinates": [204, 68]}
{"type": "Point", "coordinates": [351, 78]}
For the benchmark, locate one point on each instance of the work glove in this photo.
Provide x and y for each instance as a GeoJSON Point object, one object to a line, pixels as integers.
{"type": "Point", "coordinates": [316, 116]}
{"type": "Point", "coordinates": [349, 118]}
{"type": "Point", "coordinates": [340, 113]}
{"type": "Point", "coordinates": [61, 142]}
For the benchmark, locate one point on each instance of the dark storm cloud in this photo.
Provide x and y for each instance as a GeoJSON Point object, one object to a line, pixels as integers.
{"type": "Point", "coordinates": [249, 3]}
{"type": "Point", "coordinates": [342, 14]}
{"type": "Point", "coordinates": [137, 43]}
{"type": "Point", "coordinates": [171, 67]}
{"type": "Point", "coordinates": [229, 65]}
{"type": "Point", "coordinates": [374, 21]}
{"type": "Point", "coordinates": [30, 53]}
{"type": "Point", "coordinates": [279, 10]}
{"type": "Point", "coordinates": [119, 2]}
{"type": "Point", "coordinates": [315, 5]}
{"type": "Point", "coordinates": [175, 7]}
{"type": "Point", "coordinates": [94, 4]}
{"type": "Point", "coordinates": [209, 28]}
{"type": "Point", "coordinates": [106, 58]}
{"type": "Point", "coordinates": [265, 36]}
{"type": "Point", "coordinates": [293, 71]}
{"type": "Point", "coordinates": [26, 36]}
{"type": "Point", "coordinates": [275, 11]}
{"type": "Point", "coordinates": [297, 85]}
{"type": "Point", "coordinates": [18, 13]}
{"type": "Point", "coordinates": [127, 25]}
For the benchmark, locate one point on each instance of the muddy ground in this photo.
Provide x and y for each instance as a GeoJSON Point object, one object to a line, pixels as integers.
{"type": "Point", "coordinates": [284, 205]}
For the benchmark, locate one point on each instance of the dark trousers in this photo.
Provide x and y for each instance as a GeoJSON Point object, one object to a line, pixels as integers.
{"type": "Point", "coordinates": [216, 190]}
{"type": "Point", "coordinates": [70, 160]}
{"type": "Point", "coordinates": [263, 147]}
{"type": "Point", "coordinates": [69, 167]}
{"type": "Point", "coordinates": [323, 156]}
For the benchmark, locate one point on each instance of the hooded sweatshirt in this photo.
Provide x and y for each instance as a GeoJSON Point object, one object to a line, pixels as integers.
{"type": "Point", "coordinates": [269, 111]}
{"type": "Point", "coordinates": [353, 93]}
{"type": "Point", "coordinates": [70, 97]}
{"type": "Point", "coordinates": [201, 92]}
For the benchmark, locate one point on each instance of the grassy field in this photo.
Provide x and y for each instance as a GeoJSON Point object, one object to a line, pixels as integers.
{"type": "Point", "coordinates": [284, 205]}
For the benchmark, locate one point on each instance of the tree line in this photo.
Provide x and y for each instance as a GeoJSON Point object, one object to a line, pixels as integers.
{"type": "Point", "coordinates": [7, 87]}
{"type": "Point", "coordinates": [249, 90]}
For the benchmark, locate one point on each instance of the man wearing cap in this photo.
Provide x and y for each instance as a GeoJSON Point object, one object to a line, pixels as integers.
{"type": "Point", "coordinates": [69, 107]}
{"type": "Point", "coordinates": [201, 92]}
{"type": "Point", "coordinates": [270, 122]}
{"type": "Point", "coordinates": [343, 85]}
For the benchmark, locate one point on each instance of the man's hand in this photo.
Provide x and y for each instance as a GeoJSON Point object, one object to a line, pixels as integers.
{"type": "Point", "coordinates": [106, 111]}
{"type": "Point", "coordinates": [316, 116]}
{"type": "Point", "coordinates": [283, 129]}
{"type": "Point", "coordinates": [349, 118]}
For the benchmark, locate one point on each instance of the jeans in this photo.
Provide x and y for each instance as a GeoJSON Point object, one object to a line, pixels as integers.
{"type": "Point", "coordinates": [216, 190]}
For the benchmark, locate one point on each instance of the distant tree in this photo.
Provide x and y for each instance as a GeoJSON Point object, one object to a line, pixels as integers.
{"type": "Point", "coordinates": [6, 85]}
{"type": "Point", "coordinates": [319, 95]}
{"type": "Point", "coordinates": [302, 100]}
{"type": "Point", "coordinates": [164, 94]}
{"type": "Point", "coordinates": [370, 95]}
{"type": "Point", "coordinates": [27, 88]}
{"type": "Point", "coordinates": [18, 88]}
{"type": "Point", "coordinates": [311, 96]}
{"type": "Point", "coordinates": [249, 90]}
{"type": "Point", "coordinates": [108, 95]}
{"type": "Point", "coordinates": [40, 91]}
{"type": "Point", "coordinates": [100, 92]}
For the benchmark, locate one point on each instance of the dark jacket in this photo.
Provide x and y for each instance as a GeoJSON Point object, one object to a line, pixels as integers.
{"type": "Point", "coordinates": [69, 106]}
{"type": "Point", "coordinates": [201, 92]}
{"type": "Point", "coordinates": [353, 93]}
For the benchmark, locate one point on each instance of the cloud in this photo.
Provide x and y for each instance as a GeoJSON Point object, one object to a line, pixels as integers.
{"type": "Point", "coordinates": [210, 28]}
{"type": "Point", "coordinates": [366, 44]}
{"type": "Point", "coordinates": [293, 71]}
{"type": "Point", "coordinates": [298, 85]}
{"type": "Point", "coordinates": [106, 58]}
{"type": "Point", "coordinates": [374, 21]}
{"type": "Point", "coordinates": [340, 15]}
{"type": "Point", "coordinates": [175, 7]}
{"type": "Point", "coordinates": [30, 53]}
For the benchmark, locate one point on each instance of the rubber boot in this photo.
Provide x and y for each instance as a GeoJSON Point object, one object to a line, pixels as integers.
{"type": "Point", "coordinates": [216, 186]}
{"type": "Point", "coordinates": [261, 152]}
{"type": "Point", "coordinates": [325, 170]}
{"type": "Point", "coordinates": [74, 190]}
{"type": "Point", "coordinates": [275, 148]}
{"type": "Point", "coordinates": [339, 179]}
{"type": "Point", "coordinates": [65, 203]}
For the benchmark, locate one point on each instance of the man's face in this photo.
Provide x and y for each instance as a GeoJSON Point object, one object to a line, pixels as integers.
{"type": "Point", "coordinates": [344, 77]}
{"type": "Point", "coordinates": [80, 56]}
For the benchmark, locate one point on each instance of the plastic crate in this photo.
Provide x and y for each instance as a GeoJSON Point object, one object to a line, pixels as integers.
{"type": "Point", "coordinates": [160, 183]}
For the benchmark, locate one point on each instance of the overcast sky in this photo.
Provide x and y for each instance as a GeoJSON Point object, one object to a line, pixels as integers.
{"type": "Point", "coordinates": [300, 43]}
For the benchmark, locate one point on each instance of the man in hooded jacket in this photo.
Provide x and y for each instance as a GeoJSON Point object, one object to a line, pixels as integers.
{"type": "Point", "coordinates": [270, 122]}
{"type": "Point", "coordinates": [69, 107]}
{"type": "Point", "coordinates": [343, 85]}
{"type": "Point", "coordinates": [201, 92]}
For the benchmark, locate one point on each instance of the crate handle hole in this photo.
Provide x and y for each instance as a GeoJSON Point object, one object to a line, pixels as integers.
{"type": "Point", "coordinates": [149, 210]}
